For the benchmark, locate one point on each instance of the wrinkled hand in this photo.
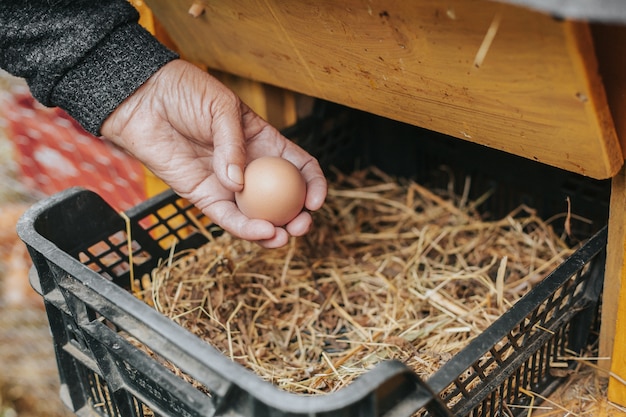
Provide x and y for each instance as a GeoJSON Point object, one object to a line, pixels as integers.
{"type": "Point", "coordinates": [196, 135]}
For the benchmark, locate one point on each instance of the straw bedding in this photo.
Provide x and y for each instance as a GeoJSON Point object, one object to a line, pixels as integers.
{"type": "Point", "coordinates": [390, 270]}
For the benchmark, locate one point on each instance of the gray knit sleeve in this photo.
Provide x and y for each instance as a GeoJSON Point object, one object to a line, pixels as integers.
{"type": "Point", "coordinates": [84, 56]}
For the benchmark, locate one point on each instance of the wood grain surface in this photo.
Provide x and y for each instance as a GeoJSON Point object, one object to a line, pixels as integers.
{"type": "Point", "coordinates": [494, 74]}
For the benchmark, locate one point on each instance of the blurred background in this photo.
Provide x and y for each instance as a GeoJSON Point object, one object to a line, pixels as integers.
{"type": "Point", "coordinates": [28, 374]}
{"type": "Point", "coordinates": [43, 151]}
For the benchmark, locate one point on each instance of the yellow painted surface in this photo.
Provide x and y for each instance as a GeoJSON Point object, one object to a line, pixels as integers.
{"type": "Point", "coordinates": [613, 340]}
{"type": "Point", "coordinates": [498, 75]}
{"type": "Point", "coordinates": [614, 266]}
{"type": "Point", "coordinates": [610, 47]}
{"type": "Point", "coordinates": [146, 19]}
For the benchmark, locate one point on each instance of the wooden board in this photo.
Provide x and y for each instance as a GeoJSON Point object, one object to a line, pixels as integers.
{"type": "Point", "coordinates": [610, 46]}
{"type": "Point", "coordinates": [613, 335]}
{"type": "Point", "coordinates": [533, 90]}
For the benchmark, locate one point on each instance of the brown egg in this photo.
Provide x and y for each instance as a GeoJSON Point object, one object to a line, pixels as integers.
{"type": "Point", "coordinates": [273, 190]}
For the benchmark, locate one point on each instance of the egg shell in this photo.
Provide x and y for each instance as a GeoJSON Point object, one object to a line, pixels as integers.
{"type": "Point", "coordinates": [273, 190]}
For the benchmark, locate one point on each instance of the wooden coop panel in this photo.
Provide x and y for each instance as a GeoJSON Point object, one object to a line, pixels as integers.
{"type": "Point", "coordinates": [498, 75]}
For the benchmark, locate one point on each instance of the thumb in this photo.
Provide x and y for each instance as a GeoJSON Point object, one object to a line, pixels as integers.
{"type": "Point", "coordinates": [229, 156]}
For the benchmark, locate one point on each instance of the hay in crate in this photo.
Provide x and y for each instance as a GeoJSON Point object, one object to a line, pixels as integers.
{"type": "Point", "coordinates": [390, 270]}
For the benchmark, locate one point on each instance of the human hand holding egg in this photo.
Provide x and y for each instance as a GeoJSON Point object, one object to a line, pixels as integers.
{"type": "Point", "coordinates": [198, 137]}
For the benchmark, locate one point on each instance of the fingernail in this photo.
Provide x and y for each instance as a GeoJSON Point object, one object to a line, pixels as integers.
{"type": "Point", "coordinates": [235, 173]}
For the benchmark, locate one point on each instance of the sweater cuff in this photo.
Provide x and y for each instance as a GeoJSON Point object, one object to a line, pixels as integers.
{"type": "Point", "coordinates": [109, 74]}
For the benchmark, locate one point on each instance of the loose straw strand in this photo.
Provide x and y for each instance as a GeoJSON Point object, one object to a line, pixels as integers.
{"type": "Point", "coordinates": [129, 245]}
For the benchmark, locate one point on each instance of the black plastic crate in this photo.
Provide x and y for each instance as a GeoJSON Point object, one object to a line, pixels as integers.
{"type": "Point", "coordinates": [93, 320]}
{"type": "Point", "coordinates": [79, 246]}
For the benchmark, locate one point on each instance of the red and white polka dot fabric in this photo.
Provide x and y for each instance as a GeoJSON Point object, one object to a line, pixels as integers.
{"type": "Point", "coordinates": [54, 153]}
